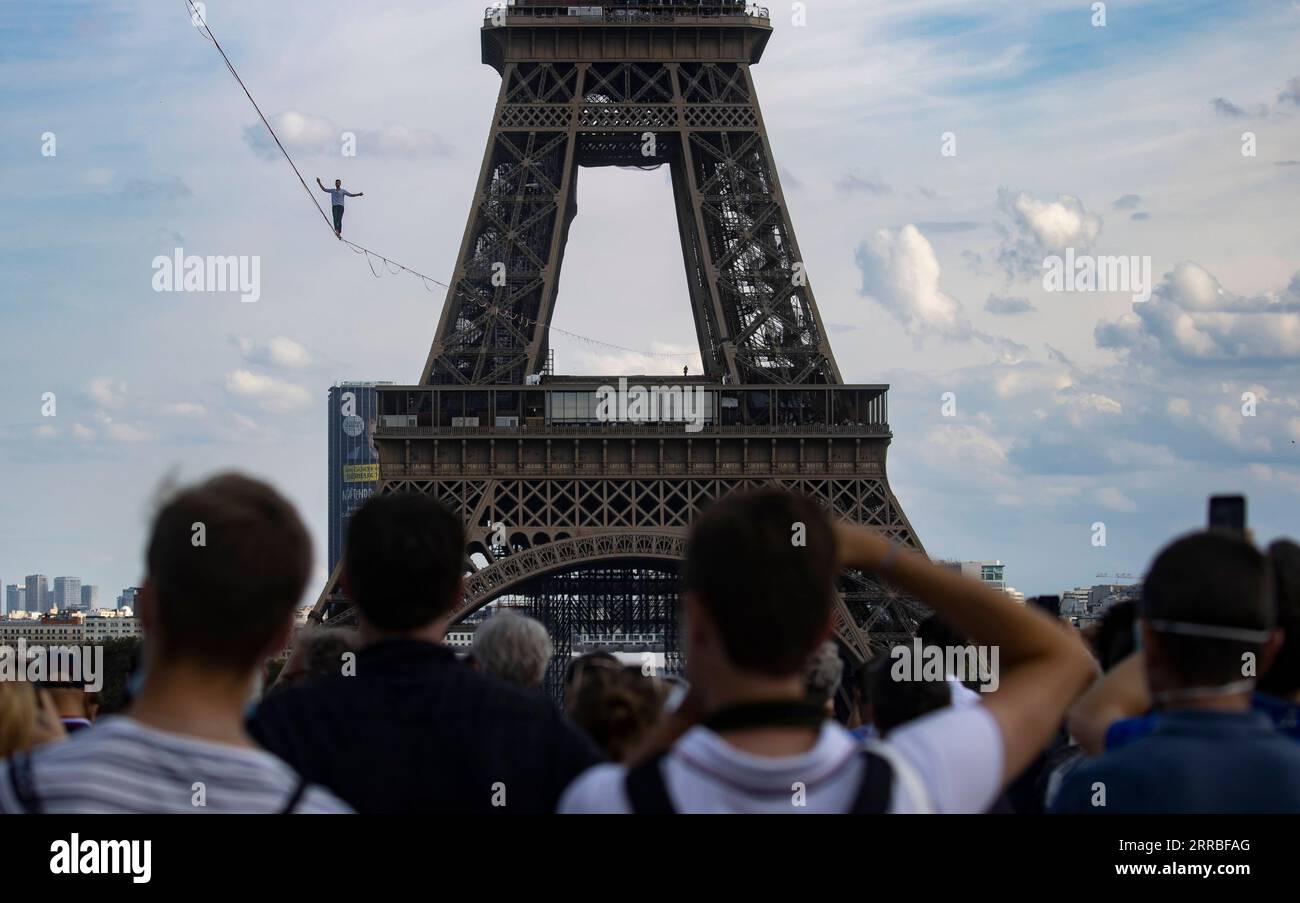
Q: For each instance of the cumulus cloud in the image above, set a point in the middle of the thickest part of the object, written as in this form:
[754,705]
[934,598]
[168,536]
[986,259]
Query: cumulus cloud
[1001,304]
[108,392]
[185,409]
[1039,228]
[271,394]
[1192,319]
[1113,499]
[121,432]
[901,273]
[305,134]
[277,351]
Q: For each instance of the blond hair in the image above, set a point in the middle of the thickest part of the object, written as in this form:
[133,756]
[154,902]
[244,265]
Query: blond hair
[17,716]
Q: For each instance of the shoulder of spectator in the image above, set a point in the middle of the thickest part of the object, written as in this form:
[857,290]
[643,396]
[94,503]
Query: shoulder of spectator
[597,790]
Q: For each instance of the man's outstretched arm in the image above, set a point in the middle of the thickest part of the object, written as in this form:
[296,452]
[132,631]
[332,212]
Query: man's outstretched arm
[1044,667]
[1120,693]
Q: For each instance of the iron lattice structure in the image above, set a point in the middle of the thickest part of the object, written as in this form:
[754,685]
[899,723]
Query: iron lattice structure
[586,520]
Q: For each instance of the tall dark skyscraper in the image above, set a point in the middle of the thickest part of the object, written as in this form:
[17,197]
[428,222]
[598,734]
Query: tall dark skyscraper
[353,460]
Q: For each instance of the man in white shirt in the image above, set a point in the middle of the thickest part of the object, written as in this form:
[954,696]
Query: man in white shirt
[756,603]
[227,562]
[337,194]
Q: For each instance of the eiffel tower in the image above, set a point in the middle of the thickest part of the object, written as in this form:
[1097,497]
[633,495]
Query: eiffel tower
[583,518]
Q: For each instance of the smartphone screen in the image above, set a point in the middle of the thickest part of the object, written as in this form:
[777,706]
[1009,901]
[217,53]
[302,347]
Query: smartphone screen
[1228,512]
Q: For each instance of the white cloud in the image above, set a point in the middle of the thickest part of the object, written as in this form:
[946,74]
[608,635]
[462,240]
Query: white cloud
[271,394]
[185,409]
[277,351]
[47,431]
[303,133]
[901,273]
[1111,498]
[1041,228]
[1192,319]
[82,433]
[106,391]
[121,432]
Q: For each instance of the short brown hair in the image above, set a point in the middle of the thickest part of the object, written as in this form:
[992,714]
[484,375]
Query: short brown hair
[221,601]
[763,566]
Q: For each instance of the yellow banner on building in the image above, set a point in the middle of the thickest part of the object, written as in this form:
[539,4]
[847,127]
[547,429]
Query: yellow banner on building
[360,473]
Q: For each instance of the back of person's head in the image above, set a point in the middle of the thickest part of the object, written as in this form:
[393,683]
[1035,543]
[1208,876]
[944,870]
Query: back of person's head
[761,565]
[513,647]
[616,707]
[935,631]
[578,668]
[823,673]
[1283,676]
[1203,584]
[228,560]
[896,702]
[1114,640]
[317,652]
[17,716]
[403,560]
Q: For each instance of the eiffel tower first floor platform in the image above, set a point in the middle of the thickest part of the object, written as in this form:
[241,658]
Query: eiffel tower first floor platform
[581,513]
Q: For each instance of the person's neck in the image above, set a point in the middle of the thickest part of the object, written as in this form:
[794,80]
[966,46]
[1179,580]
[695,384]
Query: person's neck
[194,701]
[369,634]
[730,689]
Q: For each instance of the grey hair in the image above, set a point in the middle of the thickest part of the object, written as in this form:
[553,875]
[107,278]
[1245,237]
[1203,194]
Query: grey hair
[824,671]
[513,647]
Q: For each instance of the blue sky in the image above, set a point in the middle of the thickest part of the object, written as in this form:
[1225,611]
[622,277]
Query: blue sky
[1082,407]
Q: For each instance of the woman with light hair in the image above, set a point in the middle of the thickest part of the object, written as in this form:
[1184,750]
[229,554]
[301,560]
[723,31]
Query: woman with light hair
[28,718]
[514,648]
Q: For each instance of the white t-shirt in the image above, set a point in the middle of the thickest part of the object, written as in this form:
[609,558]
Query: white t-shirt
[948,761]
[120,766]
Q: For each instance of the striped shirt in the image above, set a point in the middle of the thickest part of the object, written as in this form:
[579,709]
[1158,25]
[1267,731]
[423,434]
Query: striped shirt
[120,766]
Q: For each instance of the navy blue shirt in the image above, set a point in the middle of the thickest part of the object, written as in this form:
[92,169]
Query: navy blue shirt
[416,731]
[1192,762]
[1284,714]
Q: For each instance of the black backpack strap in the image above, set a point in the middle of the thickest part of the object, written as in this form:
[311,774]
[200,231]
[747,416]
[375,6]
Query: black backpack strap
[646,791]
[295,798]
[20,779]
[876,789]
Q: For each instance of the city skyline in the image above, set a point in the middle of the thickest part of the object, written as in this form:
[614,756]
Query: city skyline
[1068,409]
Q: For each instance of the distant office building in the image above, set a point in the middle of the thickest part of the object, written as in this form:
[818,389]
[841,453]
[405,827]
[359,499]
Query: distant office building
[990,573]
[1015,594]
[353,459]
[15,598]
[67,592]
[118,627]
[89,596]
[38,593]
[1074,602]
[127,598]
